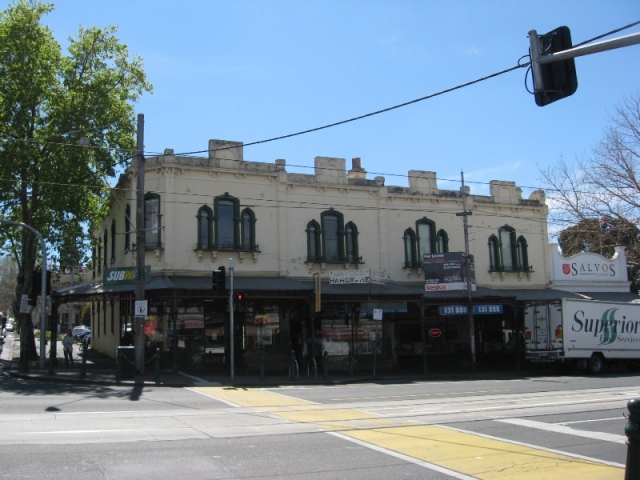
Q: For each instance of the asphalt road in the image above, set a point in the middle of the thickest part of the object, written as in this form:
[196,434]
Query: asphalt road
[531,428]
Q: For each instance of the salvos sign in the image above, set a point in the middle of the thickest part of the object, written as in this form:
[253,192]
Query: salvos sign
[589,272]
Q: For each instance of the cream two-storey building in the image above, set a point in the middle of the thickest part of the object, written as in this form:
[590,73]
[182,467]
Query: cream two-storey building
[327,261]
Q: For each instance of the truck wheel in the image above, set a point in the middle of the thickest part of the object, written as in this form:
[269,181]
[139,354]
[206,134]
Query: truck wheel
[596,363]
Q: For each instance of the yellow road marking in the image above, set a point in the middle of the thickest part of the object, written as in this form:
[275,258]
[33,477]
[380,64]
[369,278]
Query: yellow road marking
[470,454]
[482,457]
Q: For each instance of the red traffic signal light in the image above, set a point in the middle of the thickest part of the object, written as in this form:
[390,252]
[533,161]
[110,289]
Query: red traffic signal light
[239,297]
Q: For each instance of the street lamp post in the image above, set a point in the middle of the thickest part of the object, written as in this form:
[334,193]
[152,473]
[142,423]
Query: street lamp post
[43,291]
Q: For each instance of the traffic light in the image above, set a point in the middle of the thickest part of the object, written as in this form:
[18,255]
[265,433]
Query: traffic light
[555,80]
[219,279]
[36,285]
[239,297]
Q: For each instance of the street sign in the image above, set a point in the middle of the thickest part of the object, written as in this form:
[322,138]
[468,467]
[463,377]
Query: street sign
[24,304]
[141,308]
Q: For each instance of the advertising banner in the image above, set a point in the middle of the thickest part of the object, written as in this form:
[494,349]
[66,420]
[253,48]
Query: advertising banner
[447,271]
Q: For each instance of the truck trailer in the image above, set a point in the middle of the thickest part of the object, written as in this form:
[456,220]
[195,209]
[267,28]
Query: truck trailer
[587,333]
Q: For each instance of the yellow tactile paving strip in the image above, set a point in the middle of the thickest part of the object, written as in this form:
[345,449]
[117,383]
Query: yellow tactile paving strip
[470,454]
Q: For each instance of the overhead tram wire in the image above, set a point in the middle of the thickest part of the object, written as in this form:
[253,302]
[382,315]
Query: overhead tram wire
[410,102]
[366,115]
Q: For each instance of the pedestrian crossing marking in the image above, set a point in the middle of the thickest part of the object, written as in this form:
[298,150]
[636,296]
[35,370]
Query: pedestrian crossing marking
[467,453]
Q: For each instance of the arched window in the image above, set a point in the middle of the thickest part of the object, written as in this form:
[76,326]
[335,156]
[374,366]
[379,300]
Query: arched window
[247,227]
[523,255]
[351,242]
[127,228]
[113,240]
[226,218]
[330,241]
[494,254]
[426,236]
[313,241]
[205,227]
[332,236]
[508,249]
[442,241]
[106,247]
[152,222]
[410,257]
[506,253]
[227,228]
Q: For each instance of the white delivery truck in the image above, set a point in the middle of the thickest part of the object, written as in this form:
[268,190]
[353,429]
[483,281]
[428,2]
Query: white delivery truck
[588,333]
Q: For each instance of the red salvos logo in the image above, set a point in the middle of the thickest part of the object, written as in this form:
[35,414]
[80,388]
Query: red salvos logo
[566,268]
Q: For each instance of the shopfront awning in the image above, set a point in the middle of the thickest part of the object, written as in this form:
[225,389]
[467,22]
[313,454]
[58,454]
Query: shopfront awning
[179,284]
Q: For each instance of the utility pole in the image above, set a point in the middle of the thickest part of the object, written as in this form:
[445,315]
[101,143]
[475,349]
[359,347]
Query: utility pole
[140,244]
[467,262]
[231,327]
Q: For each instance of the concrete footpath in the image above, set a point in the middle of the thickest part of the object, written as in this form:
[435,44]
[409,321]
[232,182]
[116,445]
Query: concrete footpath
[101,370]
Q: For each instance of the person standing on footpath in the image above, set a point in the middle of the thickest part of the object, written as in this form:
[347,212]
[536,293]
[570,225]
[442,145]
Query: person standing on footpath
[67,347]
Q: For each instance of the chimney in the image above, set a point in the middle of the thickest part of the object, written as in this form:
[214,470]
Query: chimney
[356,172]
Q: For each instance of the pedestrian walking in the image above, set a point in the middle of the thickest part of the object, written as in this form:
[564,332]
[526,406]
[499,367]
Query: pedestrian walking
[67,347]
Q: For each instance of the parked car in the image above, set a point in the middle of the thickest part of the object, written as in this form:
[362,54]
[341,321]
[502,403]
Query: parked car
[9,327]
[81,333]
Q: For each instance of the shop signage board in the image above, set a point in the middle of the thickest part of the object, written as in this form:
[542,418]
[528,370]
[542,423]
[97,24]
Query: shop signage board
[342,277]
[477,309]
[124,275]
[447,271]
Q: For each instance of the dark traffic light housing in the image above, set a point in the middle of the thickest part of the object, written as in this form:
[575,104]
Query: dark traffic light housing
[556,80]
[219,278]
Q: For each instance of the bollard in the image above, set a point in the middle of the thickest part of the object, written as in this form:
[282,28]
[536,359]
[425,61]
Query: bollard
[632,431]
[262,364]
[157,367]
[293,366]
[118,367]
[350,364]
[325,365]
[83,356]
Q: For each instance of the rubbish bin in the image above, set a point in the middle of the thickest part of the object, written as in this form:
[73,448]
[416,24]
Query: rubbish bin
[127,358]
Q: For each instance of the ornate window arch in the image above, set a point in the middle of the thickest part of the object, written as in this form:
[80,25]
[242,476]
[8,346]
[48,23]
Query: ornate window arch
[205,227]
[127,228]
[410,249]
[248,229]
[314,253]
[113,240]
[152,222]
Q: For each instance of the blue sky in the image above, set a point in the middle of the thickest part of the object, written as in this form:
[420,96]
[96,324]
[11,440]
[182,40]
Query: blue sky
[250,70]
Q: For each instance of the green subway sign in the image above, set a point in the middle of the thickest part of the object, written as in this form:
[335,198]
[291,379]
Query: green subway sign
[124,275]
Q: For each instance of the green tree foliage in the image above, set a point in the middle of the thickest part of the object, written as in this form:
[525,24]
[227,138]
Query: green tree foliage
[605,185]
[66,122]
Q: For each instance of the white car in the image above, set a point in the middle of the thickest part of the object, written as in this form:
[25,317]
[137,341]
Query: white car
[81,333]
